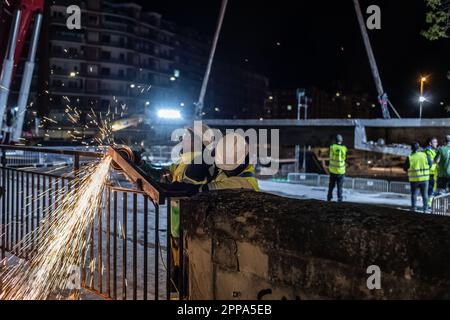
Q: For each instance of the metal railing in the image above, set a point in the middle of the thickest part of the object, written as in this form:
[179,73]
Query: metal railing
[127,241]
[324,181]
[303,178]
[400,187]
[441,205]
[371,185]
[375,185]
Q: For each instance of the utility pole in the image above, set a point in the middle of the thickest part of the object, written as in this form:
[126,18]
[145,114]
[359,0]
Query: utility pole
[422,97]
[301,94]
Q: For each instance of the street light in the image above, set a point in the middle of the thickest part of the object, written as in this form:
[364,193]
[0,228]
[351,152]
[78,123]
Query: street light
[422,98]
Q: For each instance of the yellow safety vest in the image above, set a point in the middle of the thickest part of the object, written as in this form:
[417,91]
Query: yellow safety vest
[177,172]
[338,155]
[245,180]
[419,169]
[432,154]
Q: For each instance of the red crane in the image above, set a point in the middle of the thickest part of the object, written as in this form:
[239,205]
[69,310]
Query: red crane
[16,18]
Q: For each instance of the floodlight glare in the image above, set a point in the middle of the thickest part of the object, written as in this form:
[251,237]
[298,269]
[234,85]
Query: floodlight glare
[171,114]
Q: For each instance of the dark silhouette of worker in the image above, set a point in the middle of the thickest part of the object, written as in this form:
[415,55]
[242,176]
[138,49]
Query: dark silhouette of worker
[337,168]
[431,151]
[8,127]
[443,162]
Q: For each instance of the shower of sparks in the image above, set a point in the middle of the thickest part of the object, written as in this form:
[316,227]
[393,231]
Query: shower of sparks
[60,243]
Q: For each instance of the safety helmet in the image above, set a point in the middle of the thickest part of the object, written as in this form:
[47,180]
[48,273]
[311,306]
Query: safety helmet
[339,138]
[231,152]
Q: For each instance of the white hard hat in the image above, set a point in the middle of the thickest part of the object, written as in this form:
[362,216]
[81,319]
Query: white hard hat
[231,152]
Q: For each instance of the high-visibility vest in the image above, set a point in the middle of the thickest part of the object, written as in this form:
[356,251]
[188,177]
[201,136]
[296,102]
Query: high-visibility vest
[419,168]
[177,172]
[245,180]
[432,154]
[338,156]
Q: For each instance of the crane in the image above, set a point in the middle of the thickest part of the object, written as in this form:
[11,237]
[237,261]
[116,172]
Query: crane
[24,13]
[382,96]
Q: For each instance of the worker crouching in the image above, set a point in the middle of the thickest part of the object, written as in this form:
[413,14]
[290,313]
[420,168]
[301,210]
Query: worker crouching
[191,175]
[418,166]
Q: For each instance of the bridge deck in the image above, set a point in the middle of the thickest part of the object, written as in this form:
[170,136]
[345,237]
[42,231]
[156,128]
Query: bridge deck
[375,123]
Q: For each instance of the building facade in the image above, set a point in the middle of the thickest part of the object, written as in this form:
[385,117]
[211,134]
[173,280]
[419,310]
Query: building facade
[282,104]
[130,61]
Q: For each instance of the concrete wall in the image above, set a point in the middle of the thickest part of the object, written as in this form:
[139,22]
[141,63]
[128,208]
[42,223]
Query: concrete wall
[246,245]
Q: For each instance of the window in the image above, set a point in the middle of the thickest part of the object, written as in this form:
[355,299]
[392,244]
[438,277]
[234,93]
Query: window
[92,69]
[73,85]
[106,72]
[105,55]
[73,51]
[93,20]
[106,38]
[57,83]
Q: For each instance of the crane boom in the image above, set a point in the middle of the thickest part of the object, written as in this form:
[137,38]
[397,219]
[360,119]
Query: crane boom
[382,96]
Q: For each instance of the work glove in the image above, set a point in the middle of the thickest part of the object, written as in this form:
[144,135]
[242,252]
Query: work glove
[181,187]
[138,158]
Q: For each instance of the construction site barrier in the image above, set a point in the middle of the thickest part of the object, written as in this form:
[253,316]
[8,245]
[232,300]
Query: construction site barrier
[324,181]
[371,185]
[127,256]
[375,185]
[304,178]
[400,187]
[441,205]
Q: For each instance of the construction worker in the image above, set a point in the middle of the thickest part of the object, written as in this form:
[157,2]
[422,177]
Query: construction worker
[443,163]
[431,151]
[418,166]
[231,169]
[8,126]
[337,168]
[174,175]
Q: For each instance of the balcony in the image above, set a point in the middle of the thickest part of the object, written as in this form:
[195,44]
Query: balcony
[70,37]
[166,56]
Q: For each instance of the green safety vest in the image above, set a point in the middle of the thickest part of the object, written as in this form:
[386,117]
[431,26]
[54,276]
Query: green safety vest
[444,162]
[419,169]
[432,154]
[338,155]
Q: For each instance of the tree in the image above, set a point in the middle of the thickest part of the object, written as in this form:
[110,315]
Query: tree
[438,19]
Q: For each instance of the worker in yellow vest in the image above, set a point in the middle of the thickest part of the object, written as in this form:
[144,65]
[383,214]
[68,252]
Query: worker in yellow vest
[418,166]
[231,169]
[176,174]
[337,168]
[431,151]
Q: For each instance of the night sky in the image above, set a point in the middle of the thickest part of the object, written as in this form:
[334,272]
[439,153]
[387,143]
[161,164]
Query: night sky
[321,45]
